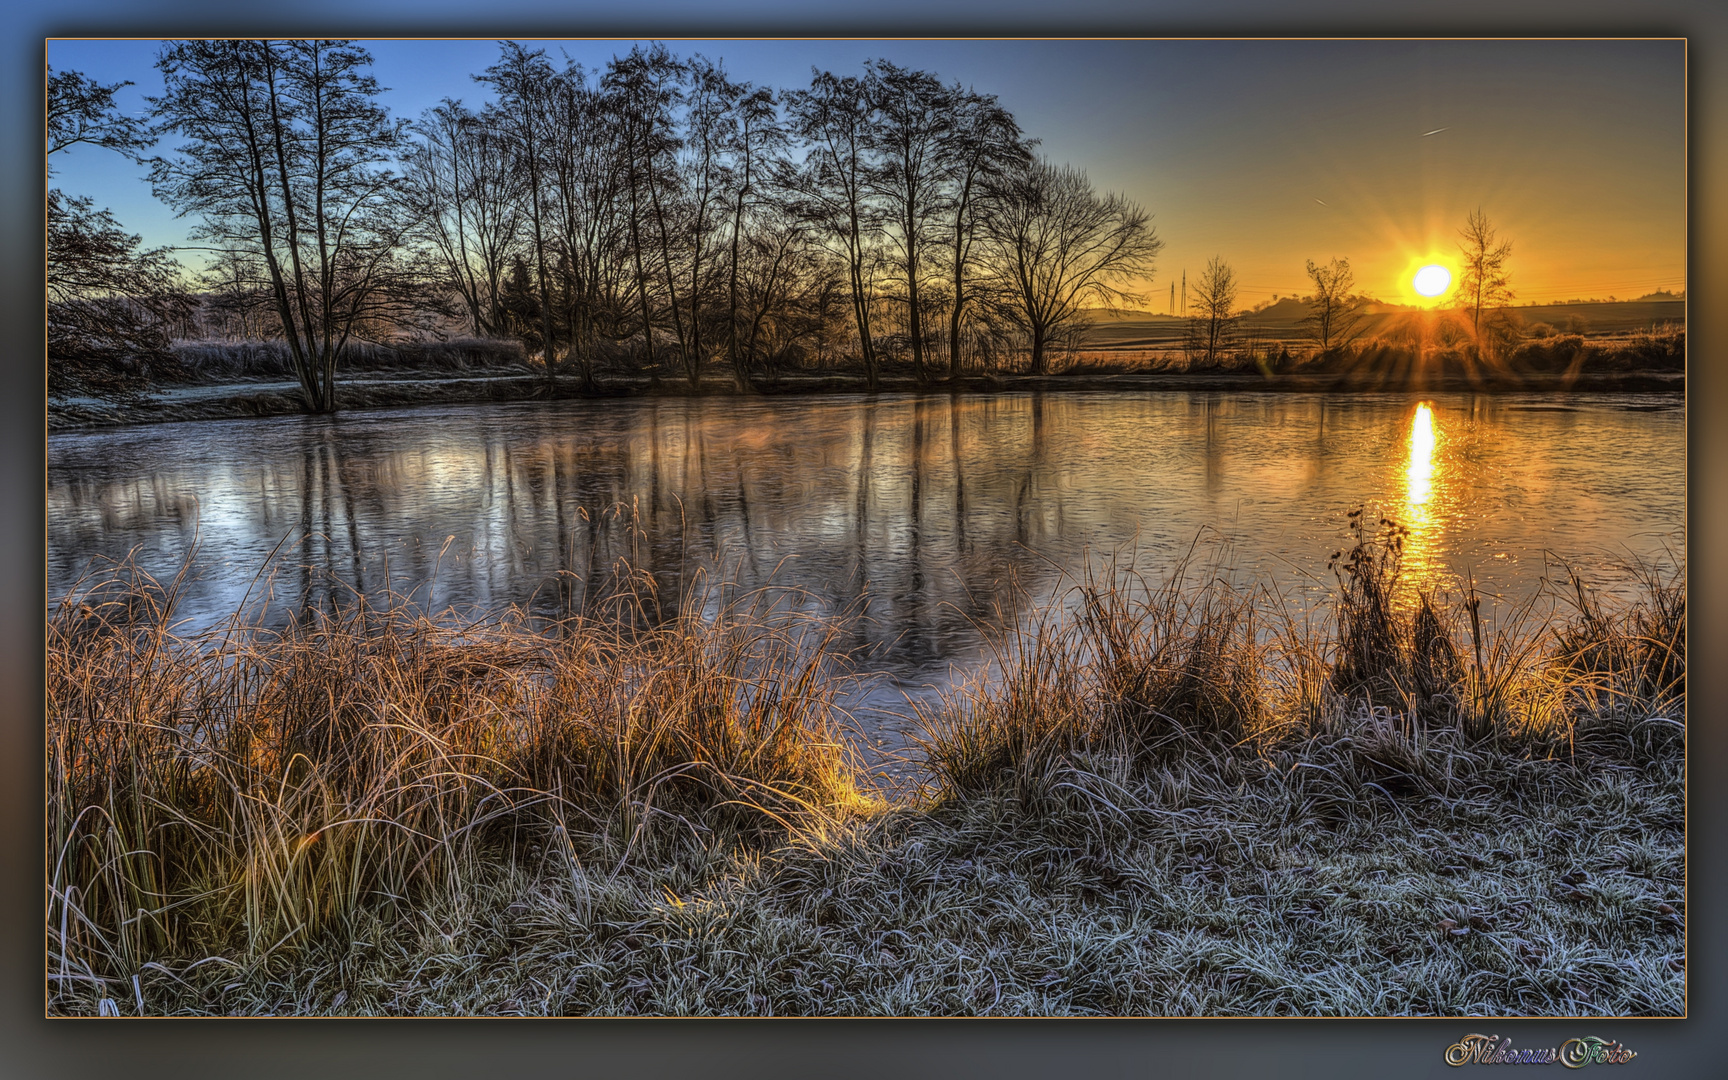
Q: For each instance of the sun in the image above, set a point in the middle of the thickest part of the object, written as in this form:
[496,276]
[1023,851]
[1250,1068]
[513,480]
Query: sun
[1428,279]
[1432,280]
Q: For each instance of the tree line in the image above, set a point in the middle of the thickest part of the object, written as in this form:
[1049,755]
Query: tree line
[656,216]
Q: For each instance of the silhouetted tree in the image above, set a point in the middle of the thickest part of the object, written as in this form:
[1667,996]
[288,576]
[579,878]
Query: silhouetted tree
[657,196]
[710,120]
[82,110]
[236,296]
[983,141]
[1212,300]
[832,117]
[1056,244]
[519,307]
[752,144]
[522,80]
[1484,284]
[285,142]
[467,199]
[1334,313]
[912,118]
[643,89]
[586,175]
[111,303]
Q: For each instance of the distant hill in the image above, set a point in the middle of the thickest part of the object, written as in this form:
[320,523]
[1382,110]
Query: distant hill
[1282,320]
[1286,312]
[1608,316]
[1118,314]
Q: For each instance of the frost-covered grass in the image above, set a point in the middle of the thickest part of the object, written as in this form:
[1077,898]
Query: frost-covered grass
[1177,800]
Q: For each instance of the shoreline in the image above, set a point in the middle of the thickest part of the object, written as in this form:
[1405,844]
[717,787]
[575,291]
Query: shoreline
[282,398]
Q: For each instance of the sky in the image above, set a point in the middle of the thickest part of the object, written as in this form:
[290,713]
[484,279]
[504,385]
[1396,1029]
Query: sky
[1266,154]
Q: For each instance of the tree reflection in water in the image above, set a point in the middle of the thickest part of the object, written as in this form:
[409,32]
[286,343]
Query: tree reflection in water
[929,517]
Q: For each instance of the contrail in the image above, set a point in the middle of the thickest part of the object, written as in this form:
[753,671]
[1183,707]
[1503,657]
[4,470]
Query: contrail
[1436,131]
[1322,202]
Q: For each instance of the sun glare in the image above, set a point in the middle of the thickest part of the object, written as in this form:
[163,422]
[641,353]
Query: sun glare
[1432,280]
[1428,279]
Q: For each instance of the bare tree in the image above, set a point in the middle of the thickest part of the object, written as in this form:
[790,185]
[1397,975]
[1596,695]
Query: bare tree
[1056,244]
[983,142]
[82,111]
[710,123]
[642,89]
[586,176]
[752,144]
[236,296]
[1213,319]
[912,119]
[832,116]
[1484,284]
[283,153]
[523,80]
[110,301]
[1334,312]
[111,304]
[467,196]
[786,286]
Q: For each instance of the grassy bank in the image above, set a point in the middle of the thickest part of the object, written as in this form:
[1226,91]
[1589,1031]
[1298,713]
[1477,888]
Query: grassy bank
[234,380]
[233,402]
[1173,797]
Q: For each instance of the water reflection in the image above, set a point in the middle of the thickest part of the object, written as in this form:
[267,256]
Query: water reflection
[1421,468]
[918,513]
[1420,546]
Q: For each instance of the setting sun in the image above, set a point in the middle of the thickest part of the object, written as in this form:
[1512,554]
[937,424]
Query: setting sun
[1432,280]
[1428,278]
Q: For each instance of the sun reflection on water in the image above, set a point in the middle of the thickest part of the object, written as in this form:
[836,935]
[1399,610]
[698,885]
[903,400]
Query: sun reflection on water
[1421,470]
[1419,516]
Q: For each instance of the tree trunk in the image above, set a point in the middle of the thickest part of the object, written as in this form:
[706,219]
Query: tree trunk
[914,315]
[861,308]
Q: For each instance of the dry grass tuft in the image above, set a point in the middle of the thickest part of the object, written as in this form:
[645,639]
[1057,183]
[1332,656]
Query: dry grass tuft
[247,791]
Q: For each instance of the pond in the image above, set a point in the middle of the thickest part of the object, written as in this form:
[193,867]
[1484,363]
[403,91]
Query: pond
[927,519]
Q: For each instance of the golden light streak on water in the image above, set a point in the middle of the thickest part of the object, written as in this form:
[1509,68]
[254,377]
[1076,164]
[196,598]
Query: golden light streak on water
[1419,518]
[1421,470]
